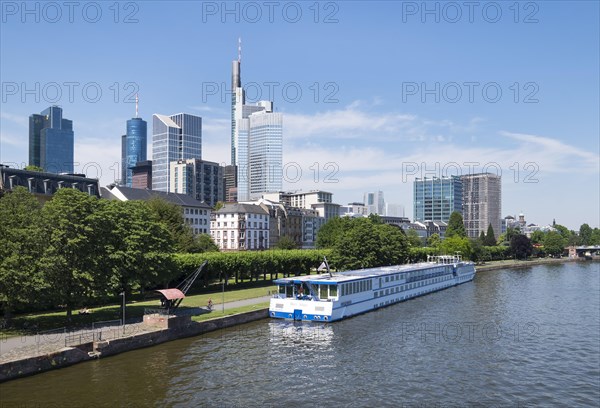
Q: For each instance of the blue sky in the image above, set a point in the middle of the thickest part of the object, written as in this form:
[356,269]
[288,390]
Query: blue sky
[405,89]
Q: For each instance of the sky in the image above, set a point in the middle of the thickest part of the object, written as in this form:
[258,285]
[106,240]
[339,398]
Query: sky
[373,93]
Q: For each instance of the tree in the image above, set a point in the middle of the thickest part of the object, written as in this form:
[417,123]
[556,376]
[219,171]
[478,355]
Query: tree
[286,242]
[363,243]
[205,243]
[520,246]
[482,237]
[456,226]
[595,237]
[31,167]
[414,239]
[330,232]
[537,237]
[554,243]
[478,251]
[490,239]
[434,241]
[172,217]
[585,234]
[457,245]
[21,243]
[69,260]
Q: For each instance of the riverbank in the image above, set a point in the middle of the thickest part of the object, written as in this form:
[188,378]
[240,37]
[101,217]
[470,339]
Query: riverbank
[497,265]
[58,353]
[96,345]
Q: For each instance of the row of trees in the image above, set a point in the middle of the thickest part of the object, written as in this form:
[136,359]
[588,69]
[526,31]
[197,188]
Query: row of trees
[363,243]
[77,249]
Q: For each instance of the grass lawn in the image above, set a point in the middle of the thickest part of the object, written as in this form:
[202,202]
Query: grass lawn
[216,312]
[38,322]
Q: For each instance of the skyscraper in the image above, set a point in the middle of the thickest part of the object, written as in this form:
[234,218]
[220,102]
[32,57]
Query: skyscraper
[134,148]
[175,137]
[51,141]
[375,203]
[200,179]
[436,198]
[256,141]
[482,194]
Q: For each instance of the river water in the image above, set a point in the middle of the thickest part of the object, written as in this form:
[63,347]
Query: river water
[511,338]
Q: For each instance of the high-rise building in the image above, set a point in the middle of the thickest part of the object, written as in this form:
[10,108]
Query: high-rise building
[320,201]
[256,141]
[436,198]
[175,137]
[230,183]
[133,148]
[200,179]
[51,141]
[482,195]
[141,175]
[375,203]
[394,210]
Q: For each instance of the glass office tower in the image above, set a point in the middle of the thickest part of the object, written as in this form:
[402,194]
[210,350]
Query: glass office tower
[51,141]
[436,198]
[134,148]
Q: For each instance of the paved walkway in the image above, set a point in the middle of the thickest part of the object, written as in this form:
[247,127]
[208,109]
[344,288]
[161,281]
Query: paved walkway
[12,348]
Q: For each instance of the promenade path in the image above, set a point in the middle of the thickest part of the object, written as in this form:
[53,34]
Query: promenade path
[17,347]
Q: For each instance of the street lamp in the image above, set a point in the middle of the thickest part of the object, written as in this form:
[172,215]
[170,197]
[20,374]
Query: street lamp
[223,291]
[123,294]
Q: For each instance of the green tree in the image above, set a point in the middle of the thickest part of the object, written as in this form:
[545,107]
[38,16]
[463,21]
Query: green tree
[286,242]
[537,237]
[31,167]
[482,237]
[554,243]
[585,234]
[595,237]
[330,232]
[171,215]
[479,252]
[456,226]
[414,239]
[205,243]
[457,245]
[490,238]
[520,246]
[434,241]
[21,243]
[69,259]
[366,244]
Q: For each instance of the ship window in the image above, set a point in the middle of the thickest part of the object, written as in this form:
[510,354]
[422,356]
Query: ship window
[323,291]
[281,289]
[387,279]
[376,294]
[333,291]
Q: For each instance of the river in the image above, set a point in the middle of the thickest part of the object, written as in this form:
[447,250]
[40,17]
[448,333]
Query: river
[511,338]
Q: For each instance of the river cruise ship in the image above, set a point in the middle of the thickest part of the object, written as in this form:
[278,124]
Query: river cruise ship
[335,296]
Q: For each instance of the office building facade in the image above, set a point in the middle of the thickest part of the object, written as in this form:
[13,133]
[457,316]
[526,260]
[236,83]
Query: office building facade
[133,148]
[51,141]
[375,203]
[482,203]
[436,198]
[174,138]
[200,179]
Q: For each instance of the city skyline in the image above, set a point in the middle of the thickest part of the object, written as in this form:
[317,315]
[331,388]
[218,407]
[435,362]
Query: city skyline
[379,102]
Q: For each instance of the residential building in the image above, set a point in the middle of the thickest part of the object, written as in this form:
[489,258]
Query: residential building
[133,148]
[237,226]
[353,210]
[200,179]
[196,214]
[436,198]
[482,193]
[375,203]
[51,141]
[175,137]
[141,175]
[318,200]
[44,184]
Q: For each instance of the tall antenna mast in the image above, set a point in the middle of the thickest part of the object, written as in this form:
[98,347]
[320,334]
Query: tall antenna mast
[137,100]
[240,49]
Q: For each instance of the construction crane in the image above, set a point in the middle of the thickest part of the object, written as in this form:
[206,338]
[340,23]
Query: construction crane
[171,298]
